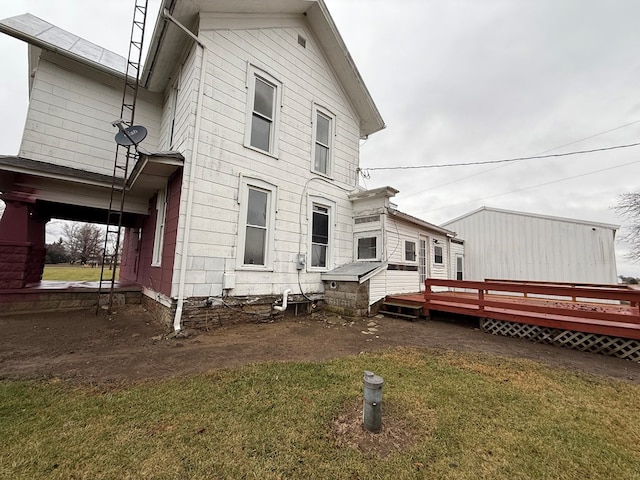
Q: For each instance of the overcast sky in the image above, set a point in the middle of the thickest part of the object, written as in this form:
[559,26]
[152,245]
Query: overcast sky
[455,81]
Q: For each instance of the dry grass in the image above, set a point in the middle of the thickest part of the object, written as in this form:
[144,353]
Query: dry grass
[447,416]
[76,273]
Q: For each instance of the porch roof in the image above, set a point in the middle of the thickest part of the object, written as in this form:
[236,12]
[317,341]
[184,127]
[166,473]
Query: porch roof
[354,272]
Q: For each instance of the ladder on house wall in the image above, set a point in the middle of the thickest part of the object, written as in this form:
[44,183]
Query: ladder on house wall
[125,157]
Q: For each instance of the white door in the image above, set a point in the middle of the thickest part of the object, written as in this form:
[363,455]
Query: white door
[422,261]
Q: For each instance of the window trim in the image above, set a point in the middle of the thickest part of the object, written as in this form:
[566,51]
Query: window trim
[159,229]
[243,200]
[318,110]
[253,74]
[414,259]
[360,235]
[331,207]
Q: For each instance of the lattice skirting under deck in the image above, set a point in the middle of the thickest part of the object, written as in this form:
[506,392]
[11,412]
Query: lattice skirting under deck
[586,342]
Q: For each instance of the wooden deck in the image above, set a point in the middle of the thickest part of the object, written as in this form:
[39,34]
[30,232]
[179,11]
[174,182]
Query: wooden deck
[608,310]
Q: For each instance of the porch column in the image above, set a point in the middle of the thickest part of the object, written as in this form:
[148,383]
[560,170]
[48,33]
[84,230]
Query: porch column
[22,237]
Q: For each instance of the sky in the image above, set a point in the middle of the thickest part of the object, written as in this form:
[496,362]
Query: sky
[456,81]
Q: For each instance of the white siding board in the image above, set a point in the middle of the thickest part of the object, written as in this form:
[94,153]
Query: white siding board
[523,247]
[306,79]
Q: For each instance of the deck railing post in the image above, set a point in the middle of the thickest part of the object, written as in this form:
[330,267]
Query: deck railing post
[427,297]
[481,300]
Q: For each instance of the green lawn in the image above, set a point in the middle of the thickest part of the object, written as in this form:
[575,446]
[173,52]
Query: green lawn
[67,272]
[465,417]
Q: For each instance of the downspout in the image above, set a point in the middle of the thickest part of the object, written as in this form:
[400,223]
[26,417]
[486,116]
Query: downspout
[192,173]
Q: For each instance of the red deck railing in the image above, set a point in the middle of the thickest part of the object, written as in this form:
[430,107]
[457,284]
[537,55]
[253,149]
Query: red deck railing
[602,309]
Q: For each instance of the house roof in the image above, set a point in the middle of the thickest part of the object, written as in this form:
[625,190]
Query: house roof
[41,34]
[354,272]
[534,215]
[421,223]
[168,43]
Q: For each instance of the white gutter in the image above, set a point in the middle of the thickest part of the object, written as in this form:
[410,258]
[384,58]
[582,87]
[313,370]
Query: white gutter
[192,174]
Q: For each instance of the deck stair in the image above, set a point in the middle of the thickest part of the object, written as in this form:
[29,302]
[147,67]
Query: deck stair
[394,308]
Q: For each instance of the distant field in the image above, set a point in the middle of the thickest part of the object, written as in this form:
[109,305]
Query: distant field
[66,272]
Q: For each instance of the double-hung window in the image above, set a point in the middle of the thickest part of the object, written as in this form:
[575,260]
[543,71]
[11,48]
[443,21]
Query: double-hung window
[409,251]
[320,236]
[257,216]
[437,255]
[321,232]
[323,134]
[262,111]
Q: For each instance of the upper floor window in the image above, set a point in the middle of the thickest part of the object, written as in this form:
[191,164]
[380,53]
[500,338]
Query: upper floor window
[262,111]
[323,134]
[409,251]
[257,219]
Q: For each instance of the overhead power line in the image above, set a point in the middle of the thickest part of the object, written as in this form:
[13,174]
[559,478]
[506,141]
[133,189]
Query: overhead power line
[531,186]
[505,160]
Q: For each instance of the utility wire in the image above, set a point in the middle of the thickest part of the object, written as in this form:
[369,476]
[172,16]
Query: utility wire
[484,172]
[505,160]
[532,186]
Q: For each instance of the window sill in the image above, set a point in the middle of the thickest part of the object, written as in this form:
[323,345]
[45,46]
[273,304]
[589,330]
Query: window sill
[273,155]
[156,265]
[254,268]
[323,175]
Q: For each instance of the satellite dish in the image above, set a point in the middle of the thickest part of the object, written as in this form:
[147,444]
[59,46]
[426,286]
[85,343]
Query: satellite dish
[131,135]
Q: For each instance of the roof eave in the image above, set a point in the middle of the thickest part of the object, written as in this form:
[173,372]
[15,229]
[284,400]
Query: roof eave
[31,40]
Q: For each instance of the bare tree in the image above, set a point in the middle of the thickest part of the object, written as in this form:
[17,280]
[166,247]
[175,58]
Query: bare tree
[629,207]
[84,241]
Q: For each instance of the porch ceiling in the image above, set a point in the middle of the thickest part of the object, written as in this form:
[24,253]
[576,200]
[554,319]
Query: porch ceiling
[56,184]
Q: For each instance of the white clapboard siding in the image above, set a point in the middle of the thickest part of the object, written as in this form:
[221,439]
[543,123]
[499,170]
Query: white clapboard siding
[223,160]
[378,287]
[521,246]
[70,113]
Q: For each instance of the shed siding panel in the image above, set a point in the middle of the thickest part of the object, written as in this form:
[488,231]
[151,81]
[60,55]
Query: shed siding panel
[523,247]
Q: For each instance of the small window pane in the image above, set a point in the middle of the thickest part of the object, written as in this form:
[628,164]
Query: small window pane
[263,100]
[459,275]
[322,154]
[254,246]
[320,233]
[437,254]
[410,251]
[322,129]
[257,208]
[318,255]
[260,133]
[367,248]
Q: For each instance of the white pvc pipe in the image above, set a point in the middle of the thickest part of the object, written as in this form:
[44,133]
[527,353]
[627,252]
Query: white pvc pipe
[192,177]
[283,307]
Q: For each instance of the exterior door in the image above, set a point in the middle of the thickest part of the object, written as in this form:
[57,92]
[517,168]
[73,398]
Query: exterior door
[422,261]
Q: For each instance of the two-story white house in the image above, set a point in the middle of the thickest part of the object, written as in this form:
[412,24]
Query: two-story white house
[242,188]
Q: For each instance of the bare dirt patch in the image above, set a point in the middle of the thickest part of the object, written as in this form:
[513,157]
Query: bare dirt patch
[132,347]
[349,431]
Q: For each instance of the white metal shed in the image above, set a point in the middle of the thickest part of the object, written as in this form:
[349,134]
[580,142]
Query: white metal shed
[504,244]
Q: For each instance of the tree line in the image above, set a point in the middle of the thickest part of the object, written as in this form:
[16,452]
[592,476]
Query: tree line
[79,243]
